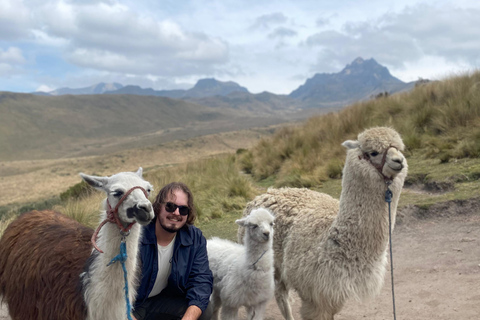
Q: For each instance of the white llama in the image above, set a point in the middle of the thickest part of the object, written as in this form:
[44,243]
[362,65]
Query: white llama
[243,275]
[330,251]
[47,252]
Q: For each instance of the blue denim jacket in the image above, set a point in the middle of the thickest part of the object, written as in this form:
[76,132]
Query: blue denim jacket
[190,277]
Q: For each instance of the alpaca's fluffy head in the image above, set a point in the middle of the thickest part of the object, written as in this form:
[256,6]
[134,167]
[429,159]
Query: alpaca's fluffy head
[135,207]
[382,147]
[258,225]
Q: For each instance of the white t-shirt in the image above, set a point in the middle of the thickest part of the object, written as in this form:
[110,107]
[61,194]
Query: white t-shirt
[165,255]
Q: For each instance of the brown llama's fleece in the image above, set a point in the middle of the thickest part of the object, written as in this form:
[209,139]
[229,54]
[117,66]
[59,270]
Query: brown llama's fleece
[46,246]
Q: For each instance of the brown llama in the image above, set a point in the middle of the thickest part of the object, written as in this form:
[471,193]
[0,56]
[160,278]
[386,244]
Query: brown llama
[49,269]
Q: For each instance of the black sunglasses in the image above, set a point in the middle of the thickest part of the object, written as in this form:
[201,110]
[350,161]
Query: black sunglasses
[171,207]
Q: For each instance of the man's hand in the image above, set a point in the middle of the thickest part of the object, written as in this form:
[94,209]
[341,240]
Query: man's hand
[192,313]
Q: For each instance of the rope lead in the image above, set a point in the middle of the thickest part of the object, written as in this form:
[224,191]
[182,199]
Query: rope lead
[122,257]
[388,199]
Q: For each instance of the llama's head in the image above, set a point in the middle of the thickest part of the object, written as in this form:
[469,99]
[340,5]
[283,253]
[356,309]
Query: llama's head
[258,225]
[380,148]
[127,190]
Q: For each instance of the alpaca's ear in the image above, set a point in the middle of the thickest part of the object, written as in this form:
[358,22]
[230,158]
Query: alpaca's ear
[139,172]
[351,144]
[241,222]
[94,181]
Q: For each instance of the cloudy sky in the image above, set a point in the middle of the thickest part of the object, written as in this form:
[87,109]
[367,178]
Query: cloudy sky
[262,45]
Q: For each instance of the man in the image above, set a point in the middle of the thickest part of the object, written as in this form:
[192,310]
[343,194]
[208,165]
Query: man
[176,281]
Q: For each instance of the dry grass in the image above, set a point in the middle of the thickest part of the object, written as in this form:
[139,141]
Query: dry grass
[85,210]
[27,181]
[440,118]
[5,221]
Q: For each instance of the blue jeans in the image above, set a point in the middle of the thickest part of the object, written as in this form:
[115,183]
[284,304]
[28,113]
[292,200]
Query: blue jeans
[163,307]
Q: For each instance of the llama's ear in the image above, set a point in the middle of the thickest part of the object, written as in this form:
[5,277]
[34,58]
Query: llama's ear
[94,181]
[351,144]
[241,222]
[139,172]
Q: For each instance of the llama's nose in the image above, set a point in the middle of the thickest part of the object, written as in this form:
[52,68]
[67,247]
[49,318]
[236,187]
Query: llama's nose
[266,234]
[141,213]
[399,161]
[145,207]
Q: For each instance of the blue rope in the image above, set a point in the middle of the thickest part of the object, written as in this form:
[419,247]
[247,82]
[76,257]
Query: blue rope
[122,257]
[388,198]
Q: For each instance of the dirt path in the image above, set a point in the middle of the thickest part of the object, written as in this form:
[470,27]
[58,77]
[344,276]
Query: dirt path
[437,273]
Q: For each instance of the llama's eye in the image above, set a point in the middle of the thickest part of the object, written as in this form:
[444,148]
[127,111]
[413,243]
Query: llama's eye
[271,224]
[118,193]
[374,153]
[253,226]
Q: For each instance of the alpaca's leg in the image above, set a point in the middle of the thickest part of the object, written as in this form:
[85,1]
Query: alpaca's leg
[216,303]
[281,295]
[257,312]
[320,310]
[229,313]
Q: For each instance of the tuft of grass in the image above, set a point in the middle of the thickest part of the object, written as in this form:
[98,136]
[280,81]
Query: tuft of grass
[78,190]
[334,168]
[5,221]
[85,209]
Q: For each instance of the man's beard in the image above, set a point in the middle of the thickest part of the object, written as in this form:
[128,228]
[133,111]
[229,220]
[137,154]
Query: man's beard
[168,229]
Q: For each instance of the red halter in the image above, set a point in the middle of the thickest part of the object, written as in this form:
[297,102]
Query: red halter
[112,216]
[380,167]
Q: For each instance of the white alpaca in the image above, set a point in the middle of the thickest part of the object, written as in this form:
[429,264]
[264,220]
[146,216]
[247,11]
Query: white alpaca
[243,275]
[47,252]
[330,251]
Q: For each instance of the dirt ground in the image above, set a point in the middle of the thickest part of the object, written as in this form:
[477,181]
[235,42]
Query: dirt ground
[436,269]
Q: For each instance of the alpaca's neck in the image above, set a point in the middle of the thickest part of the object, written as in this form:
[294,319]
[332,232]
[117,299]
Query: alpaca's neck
[104,290]
[361,227]
[257,254]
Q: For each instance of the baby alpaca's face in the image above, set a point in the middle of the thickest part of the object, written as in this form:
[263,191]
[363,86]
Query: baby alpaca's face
[261,231]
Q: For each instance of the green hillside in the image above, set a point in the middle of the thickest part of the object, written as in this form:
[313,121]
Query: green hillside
[438,120]
[38,127]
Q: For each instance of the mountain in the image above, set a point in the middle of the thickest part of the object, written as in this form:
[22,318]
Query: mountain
[211,87]
[203,88]
[359,80]
[98,88]
[136,90]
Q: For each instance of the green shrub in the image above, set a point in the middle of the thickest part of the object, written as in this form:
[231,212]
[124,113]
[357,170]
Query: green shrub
[334,169]
[79,190]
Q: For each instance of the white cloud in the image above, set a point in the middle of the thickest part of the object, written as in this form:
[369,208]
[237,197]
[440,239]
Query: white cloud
[12,56]
[112,37]
[267,21]
[398,40]
[14,20]
[263,45]
[282,32]
[5,70]
[44,88]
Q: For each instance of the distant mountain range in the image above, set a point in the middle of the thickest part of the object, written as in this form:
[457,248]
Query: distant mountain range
[108,116]
[358,81]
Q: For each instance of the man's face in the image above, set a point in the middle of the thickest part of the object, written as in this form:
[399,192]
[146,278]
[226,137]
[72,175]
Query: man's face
[173,221]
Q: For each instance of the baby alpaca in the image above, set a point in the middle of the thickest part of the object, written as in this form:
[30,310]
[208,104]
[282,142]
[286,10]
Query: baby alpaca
[243,274]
